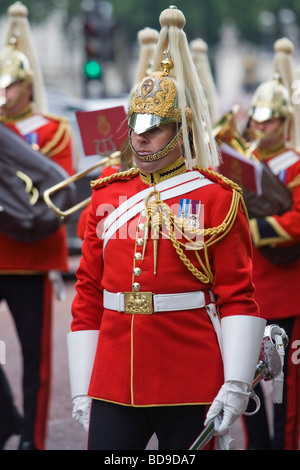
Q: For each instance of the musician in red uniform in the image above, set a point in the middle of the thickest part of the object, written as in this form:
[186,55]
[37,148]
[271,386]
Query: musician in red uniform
[276,260]
[24,266]
[165,271]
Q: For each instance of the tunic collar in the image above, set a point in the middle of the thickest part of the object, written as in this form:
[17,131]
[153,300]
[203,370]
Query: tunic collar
[17,117]
[269,153]
[175,168]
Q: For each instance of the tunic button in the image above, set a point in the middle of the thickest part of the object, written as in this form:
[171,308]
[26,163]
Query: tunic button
[137,271]
[138,256]
[141,227]
[140,242]
[136,287]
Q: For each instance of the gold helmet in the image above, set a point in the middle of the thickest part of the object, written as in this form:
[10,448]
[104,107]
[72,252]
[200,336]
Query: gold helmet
[271,99]
[155,101]
[14,65]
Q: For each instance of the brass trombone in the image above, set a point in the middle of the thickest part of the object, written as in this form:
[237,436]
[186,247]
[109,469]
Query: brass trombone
[226,132]
[112,159]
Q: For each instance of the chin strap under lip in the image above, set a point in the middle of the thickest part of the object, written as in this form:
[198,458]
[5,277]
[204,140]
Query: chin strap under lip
[161,153]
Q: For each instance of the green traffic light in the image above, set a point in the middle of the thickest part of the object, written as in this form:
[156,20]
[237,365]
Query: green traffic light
[92,69]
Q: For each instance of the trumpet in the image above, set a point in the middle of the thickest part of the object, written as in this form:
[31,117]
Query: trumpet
[112,159]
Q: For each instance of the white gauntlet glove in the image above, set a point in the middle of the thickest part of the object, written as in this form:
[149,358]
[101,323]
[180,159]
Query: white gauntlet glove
[230,403]
[81,410]
[241,340]
[82,346]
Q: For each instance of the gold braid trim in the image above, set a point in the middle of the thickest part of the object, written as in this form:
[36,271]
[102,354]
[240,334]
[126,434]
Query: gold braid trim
[197,239]
[295,182]
[223,178]
[62,131]
[228,182]
[114,176]
[158,212]
[25,113]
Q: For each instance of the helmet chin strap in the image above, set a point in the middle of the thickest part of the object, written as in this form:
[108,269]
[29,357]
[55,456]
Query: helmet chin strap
[161,153]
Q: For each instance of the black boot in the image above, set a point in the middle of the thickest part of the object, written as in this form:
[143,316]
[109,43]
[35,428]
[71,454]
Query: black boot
[14,427]
[10,419]
[27,445]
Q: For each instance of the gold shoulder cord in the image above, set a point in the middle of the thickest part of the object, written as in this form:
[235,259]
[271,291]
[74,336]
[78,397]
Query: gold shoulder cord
[295,182]
[159,213]
[197,239]
[108,179]
[63,131]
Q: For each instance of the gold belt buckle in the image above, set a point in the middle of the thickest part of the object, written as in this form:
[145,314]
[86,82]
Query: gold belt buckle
[138,303]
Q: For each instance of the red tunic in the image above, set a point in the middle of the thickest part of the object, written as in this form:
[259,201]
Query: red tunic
[167,358]
[52,136]
[277,287]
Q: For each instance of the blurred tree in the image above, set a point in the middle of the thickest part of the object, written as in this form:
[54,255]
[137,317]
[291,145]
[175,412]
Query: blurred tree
[38,9]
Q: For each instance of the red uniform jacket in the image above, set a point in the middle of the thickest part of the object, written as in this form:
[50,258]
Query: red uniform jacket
[166,358]
[51,135]
[277,287]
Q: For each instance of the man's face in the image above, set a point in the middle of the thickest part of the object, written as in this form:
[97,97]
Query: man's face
[16,98]
[272,129]
[152,141]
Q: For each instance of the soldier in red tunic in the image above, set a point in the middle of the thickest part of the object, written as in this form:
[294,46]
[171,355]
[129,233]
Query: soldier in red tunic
[276,253]
[24,265]
[166,272]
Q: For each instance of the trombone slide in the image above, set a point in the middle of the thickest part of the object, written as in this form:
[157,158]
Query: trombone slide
[112,159]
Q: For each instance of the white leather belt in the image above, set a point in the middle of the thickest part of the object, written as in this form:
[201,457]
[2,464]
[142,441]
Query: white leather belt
[146,302]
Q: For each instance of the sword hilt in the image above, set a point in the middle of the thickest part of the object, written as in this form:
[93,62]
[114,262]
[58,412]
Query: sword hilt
[268,368]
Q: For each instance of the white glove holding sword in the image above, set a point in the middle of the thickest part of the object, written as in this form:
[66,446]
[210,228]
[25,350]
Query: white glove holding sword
[241,340]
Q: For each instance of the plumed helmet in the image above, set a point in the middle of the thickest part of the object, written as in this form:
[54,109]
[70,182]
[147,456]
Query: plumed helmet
[14,65]
[155,101]
[271,99]
[172,92]
[18,58]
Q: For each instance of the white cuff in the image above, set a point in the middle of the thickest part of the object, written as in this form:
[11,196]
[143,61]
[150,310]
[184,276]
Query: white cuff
[82,347]
[242,337]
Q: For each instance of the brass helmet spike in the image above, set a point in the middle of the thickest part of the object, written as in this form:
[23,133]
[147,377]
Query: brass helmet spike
[167,63]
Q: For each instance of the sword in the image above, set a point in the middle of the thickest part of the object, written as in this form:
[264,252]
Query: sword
[269,367]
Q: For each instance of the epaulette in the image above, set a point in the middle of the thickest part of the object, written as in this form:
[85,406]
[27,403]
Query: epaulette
[121,176]
[56,117]
[219,179]
[61,137]
[226,183]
